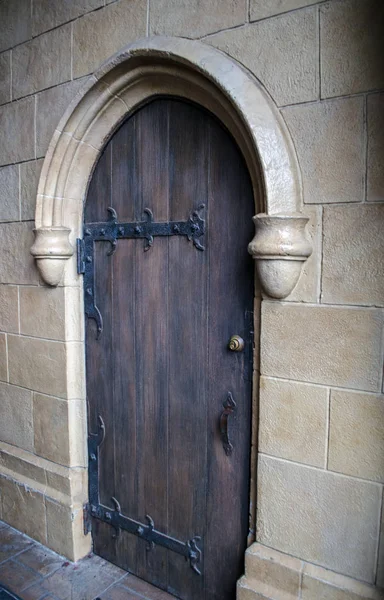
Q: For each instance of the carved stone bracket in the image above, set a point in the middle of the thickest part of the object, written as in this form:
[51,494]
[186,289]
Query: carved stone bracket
[51,249]
[280,248]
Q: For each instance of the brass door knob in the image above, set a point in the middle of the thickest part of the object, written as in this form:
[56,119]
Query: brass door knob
[236,343]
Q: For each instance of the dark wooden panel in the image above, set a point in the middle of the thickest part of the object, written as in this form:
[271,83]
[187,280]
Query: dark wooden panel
[161,369]
[99,356]
[151,335]
[230,304]
[99,192]
[125,199]
[188,174]
[99,363]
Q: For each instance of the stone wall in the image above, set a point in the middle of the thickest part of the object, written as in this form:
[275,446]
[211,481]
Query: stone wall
[321,435]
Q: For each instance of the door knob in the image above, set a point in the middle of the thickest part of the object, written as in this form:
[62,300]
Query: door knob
[236,343]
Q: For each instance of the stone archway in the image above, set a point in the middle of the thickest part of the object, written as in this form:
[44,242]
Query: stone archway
[187,69]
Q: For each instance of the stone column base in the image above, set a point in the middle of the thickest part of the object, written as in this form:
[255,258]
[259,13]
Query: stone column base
[272,575]
[44,500]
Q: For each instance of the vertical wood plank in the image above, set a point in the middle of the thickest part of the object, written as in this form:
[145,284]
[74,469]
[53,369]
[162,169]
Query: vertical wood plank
[99,351]
[99,192]
[187,347]
[152,338]
[229,308]
[125,198]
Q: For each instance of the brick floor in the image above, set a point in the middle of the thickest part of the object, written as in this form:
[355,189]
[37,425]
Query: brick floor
[34,572]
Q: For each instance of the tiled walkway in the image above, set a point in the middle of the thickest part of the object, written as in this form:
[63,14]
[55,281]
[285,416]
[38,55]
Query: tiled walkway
[33,572]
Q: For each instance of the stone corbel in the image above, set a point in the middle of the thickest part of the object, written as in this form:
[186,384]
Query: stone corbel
[51,249]
[280,248]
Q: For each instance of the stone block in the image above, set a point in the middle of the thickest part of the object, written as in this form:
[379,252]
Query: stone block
[17,131]
[65,530]
[281,52]
[15,19]
[5,77]
[29,179]
[24,509]
[9,193]
[75,354]
[329,140]
[16,420]
[47,14]
[356,434]
[58,480]
[321,344]
[50,419]
[78,433]
[43,62]
[50,107]
[375,175]
[3,358]
[273,569]
[321,590]
[335,586]
[319,516]
[20,465]
[245,591]
[353,251]
[260,9]
[380,562]
[42,312]
[308,286]
[92,39]
[59,483]
[293,421]
[16,262]
[74,311]
[351,47]
[79,485]
[38,365]
[9,314]
[195,18]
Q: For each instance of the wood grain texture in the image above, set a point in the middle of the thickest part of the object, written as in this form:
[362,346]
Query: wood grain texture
[161,370]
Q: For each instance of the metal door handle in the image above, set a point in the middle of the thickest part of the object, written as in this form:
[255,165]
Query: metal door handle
[229,407]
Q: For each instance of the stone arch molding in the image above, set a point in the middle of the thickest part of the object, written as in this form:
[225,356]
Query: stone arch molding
[188,69]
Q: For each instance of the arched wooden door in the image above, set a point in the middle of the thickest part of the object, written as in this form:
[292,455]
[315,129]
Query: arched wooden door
[167,282]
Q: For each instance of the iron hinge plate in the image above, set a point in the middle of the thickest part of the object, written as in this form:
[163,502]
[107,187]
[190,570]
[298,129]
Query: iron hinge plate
[87,521]
[80,256]
[112,231]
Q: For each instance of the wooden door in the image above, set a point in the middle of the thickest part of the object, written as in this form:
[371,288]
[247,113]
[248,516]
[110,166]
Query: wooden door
[163,387]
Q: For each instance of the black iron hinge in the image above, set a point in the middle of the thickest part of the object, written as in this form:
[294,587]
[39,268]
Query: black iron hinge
[87,521]
[80,256]
[112,231]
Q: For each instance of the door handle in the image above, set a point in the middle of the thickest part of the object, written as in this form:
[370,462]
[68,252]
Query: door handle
[229,407]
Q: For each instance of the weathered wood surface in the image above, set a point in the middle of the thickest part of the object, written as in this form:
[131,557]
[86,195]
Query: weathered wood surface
[161,370]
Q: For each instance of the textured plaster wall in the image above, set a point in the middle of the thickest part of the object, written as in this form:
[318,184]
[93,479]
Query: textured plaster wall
[321,436]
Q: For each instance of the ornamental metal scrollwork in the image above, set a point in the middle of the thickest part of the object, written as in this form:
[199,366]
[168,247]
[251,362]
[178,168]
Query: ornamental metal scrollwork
[111,231]
[118,521]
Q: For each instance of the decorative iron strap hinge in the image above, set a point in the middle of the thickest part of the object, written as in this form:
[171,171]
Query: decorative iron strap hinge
[114,517]
[111,231]
[80,256]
